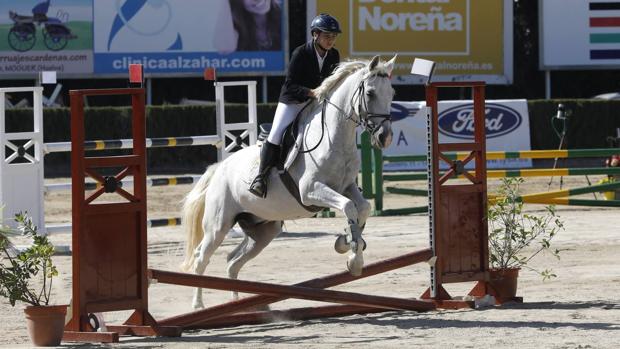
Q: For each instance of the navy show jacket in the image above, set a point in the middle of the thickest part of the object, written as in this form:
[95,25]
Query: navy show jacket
[303,73]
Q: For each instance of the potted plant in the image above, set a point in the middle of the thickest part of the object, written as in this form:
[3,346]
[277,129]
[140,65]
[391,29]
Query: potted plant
[26,276]
[515,237]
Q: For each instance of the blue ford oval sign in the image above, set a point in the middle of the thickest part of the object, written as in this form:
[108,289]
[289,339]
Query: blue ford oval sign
[458,121]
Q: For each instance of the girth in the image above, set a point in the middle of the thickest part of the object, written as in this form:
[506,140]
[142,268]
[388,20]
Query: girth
[292,188]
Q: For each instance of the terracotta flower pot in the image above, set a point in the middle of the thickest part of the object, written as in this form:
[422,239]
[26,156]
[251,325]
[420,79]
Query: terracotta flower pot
[46,324]
[504,281]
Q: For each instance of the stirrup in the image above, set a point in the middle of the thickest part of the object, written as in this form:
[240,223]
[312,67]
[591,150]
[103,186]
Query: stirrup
[259,187]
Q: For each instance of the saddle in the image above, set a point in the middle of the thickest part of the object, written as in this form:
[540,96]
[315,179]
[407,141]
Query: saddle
[289,150]
[289,146]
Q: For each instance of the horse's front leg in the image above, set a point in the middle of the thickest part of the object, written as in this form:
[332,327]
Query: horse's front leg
[354,233]
[363,206]
[322,195]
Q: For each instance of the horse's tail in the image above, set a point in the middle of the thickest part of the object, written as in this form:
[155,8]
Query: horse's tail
[193,211]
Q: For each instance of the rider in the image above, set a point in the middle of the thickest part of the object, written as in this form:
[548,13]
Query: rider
[310,64]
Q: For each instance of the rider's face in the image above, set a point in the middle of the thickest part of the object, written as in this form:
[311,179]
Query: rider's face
[326,40]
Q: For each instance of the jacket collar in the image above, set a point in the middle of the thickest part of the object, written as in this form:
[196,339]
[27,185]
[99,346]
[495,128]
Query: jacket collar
[310,48]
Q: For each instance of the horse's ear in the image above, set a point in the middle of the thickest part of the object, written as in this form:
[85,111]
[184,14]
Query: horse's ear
[389,66]
[373,63]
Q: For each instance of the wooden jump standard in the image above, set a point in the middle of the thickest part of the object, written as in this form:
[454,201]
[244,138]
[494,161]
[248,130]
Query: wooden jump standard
[457,212]
[109,242]
[109,239]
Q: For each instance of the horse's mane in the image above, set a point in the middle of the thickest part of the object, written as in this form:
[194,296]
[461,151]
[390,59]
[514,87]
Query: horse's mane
[344,70]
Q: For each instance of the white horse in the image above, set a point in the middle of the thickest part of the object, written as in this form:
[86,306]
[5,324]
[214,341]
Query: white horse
[324,171]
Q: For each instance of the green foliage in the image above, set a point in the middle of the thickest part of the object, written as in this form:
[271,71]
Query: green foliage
[588,126]
[115,123]
[26,275]
[511,230]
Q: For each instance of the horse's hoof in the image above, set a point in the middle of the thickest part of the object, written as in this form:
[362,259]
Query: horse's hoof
[341,245]
[355,264]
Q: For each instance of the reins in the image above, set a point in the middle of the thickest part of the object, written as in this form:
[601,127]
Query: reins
[359,120]
[322,129]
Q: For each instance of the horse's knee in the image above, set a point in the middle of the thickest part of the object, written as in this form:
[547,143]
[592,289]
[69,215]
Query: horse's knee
[351,211]
[363,209]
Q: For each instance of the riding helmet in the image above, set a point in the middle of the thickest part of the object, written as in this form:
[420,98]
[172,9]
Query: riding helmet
[325,23]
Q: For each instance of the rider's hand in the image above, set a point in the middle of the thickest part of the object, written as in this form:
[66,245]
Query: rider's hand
[311,94]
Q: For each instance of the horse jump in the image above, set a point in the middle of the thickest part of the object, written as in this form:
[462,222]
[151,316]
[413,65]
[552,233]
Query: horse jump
[129,284]
[22,182]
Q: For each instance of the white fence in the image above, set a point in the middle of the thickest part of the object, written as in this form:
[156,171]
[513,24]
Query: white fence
[21,170]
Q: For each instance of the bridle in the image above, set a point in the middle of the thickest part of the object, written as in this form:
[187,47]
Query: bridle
[361,116]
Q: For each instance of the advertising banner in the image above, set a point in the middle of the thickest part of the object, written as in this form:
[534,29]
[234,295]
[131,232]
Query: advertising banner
[579,34]
[47,35]
[78,38]
[468,40]
[187,36]
[507,129]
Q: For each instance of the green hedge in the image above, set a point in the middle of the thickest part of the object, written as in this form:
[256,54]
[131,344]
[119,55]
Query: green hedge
[115,123]
[590,123]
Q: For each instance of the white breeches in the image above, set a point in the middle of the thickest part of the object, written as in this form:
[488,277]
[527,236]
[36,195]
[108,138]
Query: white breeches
[285,114]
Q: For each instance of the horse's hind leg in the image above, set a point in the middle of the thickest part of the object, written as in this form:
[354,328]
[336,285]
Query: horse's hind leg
[257,238]
[215,228]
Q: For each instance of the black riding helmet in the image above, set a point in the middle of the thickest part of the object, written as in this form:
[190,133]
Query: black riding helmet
[325,23]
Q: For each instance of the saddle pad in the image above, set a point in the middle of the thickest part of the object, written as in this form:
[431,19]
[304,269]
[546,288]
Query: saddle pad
[254,165]
[294,151]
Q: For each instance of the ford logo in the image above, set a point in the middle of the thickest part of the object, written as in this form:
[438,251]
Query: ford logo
[458,121]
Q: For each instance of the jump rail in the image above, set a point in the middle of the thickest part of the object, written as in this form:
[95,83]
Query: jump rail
[374,180]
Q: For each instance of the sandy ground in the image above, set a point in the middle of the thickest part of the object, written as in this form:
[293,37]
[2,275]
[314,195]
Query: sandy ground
[578,309]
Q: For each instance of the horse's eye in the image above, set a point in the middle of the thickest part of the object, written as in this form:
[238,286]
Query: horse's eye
[370,94]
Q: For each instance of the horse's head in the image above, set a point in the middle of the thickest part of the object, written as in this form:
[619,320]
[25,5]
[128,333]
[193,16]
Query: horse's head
[363,95]
[375,95]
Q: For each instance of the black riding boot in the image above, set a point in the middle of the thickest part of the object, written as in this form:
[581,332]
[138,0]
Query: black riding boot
[268,156]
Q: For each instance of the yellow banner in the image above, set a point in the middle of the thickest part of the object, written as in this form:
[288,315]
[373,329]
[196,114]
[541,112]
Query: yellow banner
[464,37]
